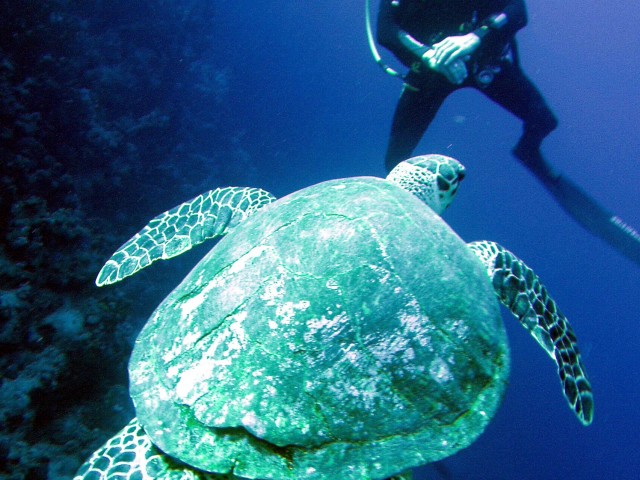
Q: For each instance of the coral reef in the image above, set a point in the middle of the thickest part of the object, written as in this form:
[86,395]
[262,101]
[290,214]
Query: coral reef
[102,106]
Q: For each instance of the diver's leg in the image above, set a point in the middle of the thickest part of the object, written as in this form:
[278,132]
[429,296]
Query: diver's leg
[512,90]
[414,113]
[515,92]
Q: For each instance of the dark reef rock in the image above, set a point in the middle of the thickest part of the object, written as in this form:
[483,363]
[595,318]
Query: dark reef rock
[103,123]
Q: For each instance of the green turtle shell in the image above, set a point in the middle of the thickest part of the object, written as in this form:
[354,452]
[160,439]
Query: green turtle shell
[344,331]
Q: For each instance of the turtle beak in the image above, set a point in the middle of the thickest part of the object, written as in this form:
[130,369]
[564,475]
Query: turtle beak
[461,173]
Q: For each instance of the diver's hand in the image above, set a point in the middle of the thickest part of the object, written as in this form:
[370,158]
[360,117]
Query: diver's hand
[455,48]
[455,72]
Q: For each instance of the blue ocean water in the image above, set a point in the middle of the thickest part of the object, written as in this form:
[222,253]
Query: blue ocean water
[316,100]
[288,95]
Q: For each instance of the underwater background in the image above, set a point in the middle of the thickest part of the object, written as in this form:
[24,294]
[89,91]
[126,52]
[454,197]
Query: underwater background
[114,111]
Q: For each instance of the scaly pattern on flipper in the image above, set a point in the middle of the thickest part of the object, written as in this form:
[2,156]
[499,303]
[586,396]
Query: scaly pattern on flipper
[521,291]
[175,231]
[130,455]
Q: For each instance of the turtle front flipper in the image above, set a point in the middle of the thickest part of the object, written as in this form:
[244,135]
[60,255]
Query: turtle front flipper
[130,455]
[173,232]
[520,290]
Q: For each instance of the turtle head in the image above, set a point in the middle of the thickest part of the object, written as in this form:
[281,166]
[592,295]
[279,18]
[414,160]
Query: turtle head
[434,179]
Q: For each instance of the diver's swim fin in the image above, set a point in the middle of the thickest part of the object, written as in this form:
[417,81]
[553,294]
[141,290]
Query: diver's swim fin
[586,211]
[602,223]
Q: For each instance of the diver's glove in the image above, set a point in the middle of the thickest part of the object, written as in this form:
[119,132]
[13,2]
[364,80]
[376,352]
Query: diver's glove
[455,71]
[455,48]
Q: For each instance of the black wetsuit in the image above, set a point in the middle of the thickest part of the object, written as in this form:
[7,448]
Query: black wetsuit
[409,27]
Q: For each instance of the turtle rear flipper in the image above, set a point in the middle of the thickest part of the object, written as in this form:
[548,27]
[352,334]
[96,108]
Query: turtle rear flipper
[175,231]
[131,455]
[522,292]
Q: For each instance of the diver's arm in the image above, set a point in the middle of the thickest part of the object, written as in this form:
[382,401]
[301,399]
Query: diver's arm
[504,23]
[406,48]
[411,52]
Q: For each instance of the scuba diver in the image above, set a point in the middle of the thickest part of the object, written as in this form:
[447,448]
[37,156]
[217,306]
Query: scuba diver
[452,44]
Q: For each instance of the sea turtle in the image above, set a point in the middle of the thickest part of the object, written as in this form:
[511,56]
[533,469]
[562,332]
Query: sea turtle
[341,332]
